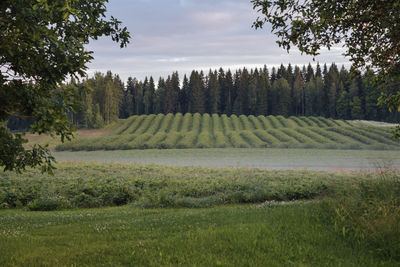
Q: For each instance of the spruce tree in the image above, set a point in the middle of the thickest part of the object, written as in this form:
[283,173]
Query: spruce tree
[214,93]
[343,106]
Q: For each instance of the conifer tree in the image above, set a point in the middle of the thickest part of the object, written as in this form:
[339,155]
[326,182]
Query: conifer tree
[263,86]
[197,93]
[343,105]
[183,95]
[298,93]
[243,91]
[214,92]
[282,91]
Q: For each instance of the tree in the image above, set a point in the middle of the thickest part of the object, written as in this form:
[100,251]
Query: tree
[368,30]
[283,103]
[42,44]
[214,92]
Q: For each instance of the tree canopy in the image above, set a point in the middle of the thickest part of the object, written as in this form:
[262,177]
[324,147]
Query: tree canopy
[368,29]
[42,44]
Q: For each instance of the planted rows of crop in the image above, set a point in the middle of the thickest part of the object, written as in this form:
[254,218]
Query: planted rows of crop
[205,131]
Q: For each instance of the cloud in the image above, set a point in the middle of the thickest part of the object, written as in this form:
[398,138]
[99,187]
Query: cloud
[181,35]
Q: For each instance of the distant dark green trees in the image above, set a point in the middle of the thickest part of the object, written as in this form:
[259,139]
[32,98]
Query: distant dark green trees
[287,91]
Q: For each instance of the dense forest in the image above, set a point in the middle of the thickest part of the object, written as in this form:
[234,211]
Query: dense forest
[323,91]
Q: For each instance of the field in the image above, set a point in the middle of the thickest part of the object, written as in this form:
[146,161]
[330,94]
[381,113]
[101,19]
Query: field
[248,235]
[108,204]
[271,158]
[88,185]
[194,215]
[205,131]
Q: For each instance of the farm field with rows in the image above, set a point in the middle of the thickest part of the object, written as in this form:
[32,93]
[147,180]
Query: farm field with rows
[214,131]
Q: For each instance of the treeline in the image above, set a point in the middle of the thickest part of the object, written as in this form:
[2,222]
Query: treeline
[306,91]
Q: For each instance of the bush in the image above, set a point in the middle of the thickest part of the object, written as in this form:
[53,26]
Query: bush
[237,140]
[256,122]
[188,140]
[187,122]
[221,140]
[368,213]
[252,139]
[204,140]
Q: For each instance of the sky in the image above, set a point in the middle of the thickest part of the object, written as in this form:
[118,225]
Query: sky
[182,35]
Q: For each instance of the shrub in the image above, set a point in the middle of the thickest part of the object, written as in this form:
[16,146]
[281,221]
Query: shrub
[350,133]
[236,125]
[226,123]
[204,140]
[147,122]
[273,121]
[125,125]
[171,140]
[216,122]
[221,140]
[246,123]
[265,123]
[135,124]
[299,122]
[139,142]
[267,138]
[187,122]
[283,121]
[196,123]
[155,125]
[176,123]
[307,121]
[205,123]
[156,139]
[188,140]
[166,122]
[368,214]
[256,122]
[252,139]
[237,140]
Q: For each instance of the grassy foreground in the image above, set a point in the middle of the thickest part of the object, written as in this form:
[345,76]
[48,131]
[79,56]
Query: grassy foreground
[222,236]
[337,219]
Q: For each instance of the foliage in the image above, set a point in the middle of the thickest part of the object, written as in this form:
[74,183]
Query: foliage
[42,44]
[368,29]
[368,213]
[97,185]
[254,92]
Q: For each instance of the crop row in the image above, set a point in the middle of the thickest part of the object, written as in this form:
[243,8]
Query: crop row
[189,122]
[211,132]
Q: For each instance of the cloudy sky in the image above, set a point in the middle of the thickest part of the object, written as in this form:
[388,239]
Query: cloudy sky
[182,35]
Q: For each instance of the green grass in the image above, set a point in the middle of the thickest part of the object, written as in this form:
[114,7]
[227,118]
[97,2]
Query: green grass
[205,131]
[247,235]
[271,158]
[88,185]
[305,218]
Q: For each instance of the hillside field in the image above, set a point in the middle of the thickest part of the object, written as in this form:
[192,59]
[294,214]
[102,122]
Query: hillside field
[205,131]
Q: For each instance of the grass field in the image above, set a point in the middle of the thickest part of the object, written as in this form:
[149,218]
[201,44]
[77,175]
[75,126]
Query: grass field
[246,235]
[205,131]
[278,218]
[88,185]
[271,158]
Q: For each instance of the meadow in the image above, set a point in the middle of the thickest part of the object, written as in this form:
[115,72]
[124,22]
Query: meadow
[99,209]
[271,158]
[195,215]
[214,131]
[246,235]
[90,185]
